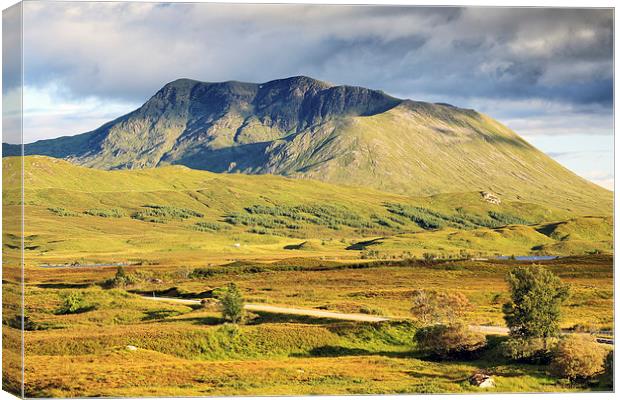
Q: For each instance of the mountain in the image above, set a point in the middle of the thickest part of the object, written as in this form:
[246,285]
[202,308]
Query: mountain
[176,213]
[304,128]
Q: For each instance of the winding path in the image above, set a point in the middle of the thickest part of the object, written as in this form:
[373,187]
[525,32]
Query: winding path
[287,310]
[497,330]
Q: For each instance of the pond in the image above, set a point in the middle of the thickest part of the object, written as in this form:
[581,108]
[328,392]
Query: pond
[528,258]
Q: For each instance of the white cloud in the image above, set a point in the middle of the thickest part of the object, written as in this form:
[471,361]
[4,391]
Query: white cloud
[601,178]
[542,72]
[49,114]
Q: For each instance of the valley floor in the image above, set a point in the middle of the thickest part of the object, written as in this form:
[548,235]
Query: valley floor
[184,349]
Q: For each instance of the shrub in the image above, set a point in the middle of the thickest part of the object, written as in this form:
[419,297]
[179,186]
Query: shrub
[209,226]
[450,341]
[369,254]
[430,306]
[62,212]
[232,304]
[609,363]
[121,279]
[72,303]
[578,357]
[429,257]
[292,217]
[161,214]
[507,219]
[371,310]
[109,213]
[529,350]
[423,217]
[608,376]
[536,298]
[210,304]
[429,219]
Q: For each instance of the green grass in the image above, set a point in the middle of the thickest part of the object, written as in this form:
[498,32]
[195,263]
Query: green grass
[196,216]
[296,249]
[271,354]
[371,140]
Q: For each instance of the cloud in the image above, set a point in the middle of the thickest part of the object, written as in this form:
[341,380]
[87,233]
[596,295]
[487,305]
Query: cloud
[601,178]
[571,154]
[129,50]
[49,114]
[547,73]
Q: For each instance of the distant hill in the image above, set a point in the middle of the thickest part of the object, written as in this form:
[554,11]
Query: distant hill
[177,213]
[304,128]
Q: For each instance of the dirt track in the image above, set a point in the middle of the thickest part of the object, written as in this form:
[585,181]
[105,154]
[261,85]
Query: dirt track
[497,330]
[288,310]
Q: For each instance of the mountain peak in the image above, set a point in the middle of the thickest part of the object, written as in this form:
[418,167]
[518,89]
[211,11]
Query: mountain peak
[306,128]
[293,81]
[181,83]
[298,81]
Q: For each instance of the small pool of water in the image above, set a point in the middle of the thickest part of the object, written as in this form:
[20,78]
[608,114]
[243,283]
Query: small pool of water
[528,258]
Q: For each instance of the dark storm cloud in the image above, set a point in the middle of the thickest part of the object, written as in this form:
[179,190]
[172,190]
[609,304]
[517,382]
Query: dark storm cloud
[127,51]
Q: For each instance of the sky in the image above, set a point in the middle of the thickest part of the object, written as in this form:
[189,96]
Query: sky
[545,73]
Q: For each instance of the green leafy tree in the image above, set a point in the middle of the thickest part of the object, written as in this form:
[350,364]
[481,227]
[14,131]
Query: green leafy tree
[536,299]
[232,304]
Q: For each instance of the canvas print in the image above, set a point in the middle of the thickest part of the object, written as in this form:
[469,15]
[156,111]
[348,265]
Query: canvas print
[241,199]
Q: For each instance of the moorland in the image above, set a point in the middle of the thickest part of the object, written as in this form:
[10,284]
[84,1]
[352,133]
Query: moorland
[305,196]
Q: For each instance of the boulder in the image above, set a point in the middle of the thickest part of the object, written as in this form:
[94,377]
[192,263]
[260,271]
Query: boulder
[482,380]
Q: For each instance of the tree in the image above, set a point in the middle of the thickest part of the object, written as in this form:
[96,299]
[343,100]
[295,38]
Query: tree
[536,299]
[232,304]
[578,357]
[432,307]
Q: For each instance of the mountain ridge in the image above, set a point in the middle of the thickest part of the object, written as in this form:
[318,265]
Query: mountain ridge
[305,128]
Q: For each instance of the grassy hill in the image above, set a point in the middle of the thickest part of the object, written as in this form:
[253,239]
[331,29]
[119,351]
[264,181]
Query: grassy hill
[177,214]
[304,128]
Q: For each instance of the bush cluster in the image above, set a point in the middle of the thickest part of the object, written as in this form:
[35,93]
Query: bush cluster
[431,306]
[529,350]
[454,341]
[430,220]
[292,217]
[120,279]
[72,303]
[63,212]
[578,357]
[507,219]
[162,214]
[209,226]
[105,213]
